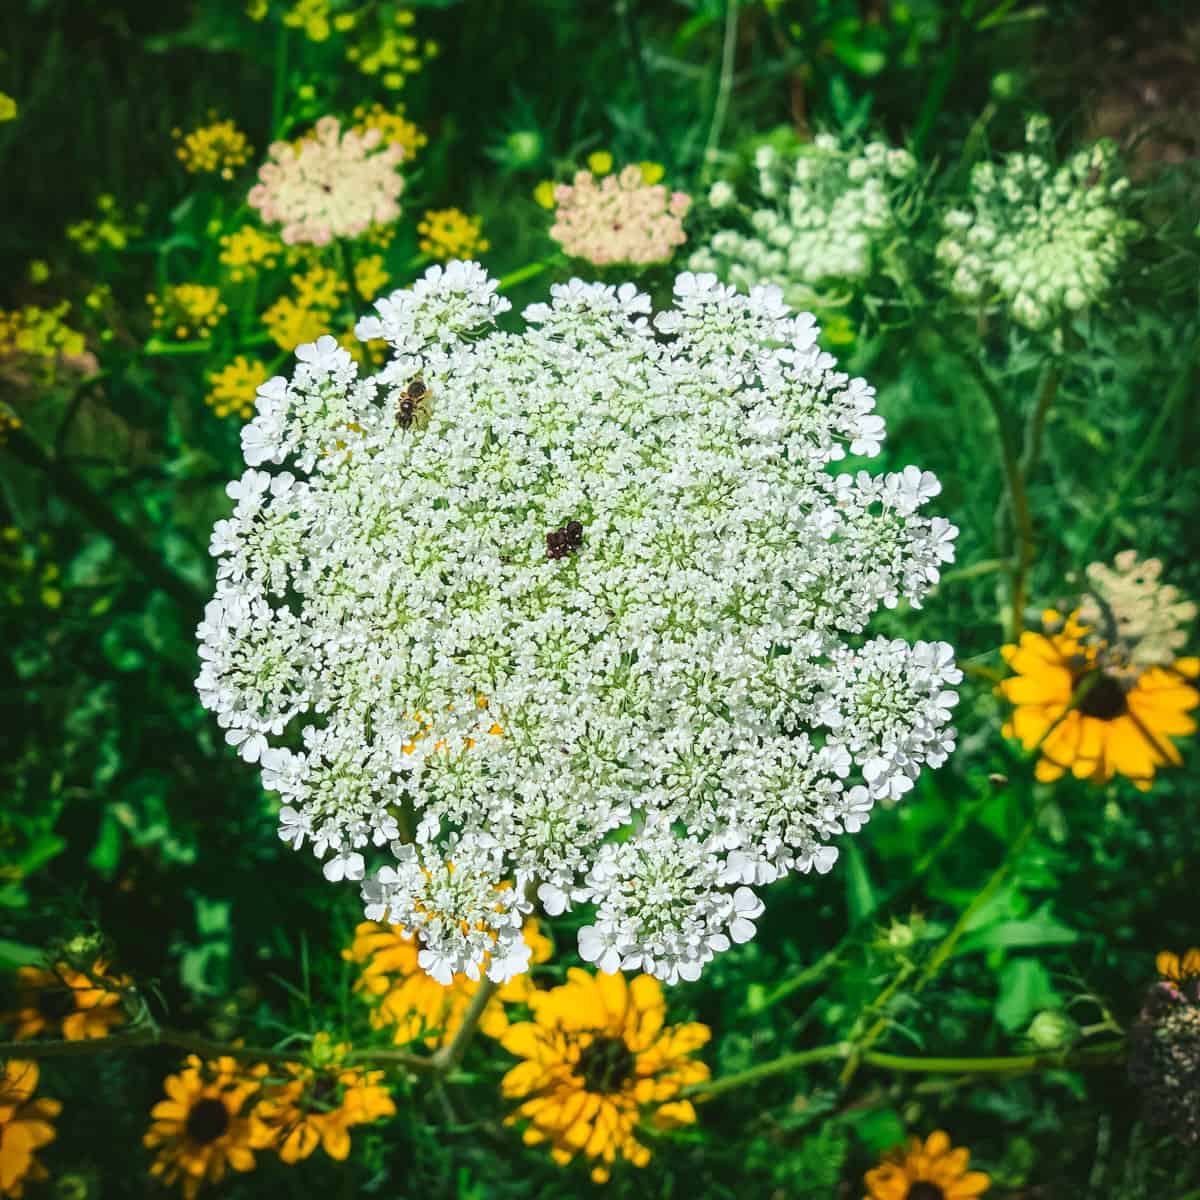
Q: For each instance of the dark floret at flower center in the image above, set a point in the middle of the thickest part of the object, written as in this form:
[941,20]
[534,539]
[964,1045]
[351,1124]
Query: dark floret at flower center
[1105,698]
[606,1064]
[207,1120]
[324,1089]
[56,1001]
[924,1190]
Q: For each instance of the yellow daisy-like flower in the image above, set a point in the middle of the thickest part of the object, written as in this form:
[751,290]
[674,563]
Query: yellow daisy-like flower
[25,1126]
[319,1105]
[1171,966]
[416,1006]
[931,1170]
[61,1001]
[187,310]
[1121,723]
[394,126]
[370,276]
[232,389]
[202,1126]
[217,148]
[597,1055]
[448,233]
[248,250]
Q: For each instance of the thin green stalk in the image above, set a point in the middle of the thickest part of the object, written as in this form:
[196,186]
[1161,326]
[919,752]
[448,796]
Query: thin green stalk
[521,274]
[724,87]
[280,82]
[1175,396]
[346,257]
[1019,1064]
[450,1054]
[985,566]
[947,946]
[95,510]
[156,1035]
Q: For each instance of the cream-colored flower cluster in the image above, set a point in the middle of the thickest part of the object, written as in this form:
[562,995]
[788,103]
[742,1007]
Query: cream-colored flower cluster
[816,217]
[1045,241]
[620,218]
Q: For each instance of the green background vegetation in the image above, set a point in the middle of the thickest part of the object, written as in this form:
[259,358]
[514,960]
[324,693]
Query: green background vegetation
[124,813]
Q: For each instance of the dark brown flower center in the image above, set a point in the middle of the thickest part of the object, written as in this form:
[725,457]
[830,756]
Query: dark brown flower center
[605,1064]
[1105,697]
[324,1089]
[56,1001]
[207,1120]
[924,1190]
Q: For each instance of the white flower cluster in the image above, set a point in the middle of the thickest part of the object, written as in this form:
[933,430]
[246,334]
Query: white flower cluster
[1139,619]
[1047,241]
[574,613]
[818,217]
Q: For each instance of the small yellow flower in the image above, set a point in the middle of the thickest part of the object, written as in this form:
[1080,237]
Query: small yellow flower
[312,16]
[600,162]
[290,324]
[217,148]
[26,1125]
[256,10]
[39,340]
[597,1059]
[544,193]
[370,277]
[393,125]
[931,1170]
[38,270]
[248,250]
[652,172]
[448,233]
[8,108]
[319,287]
[187,310]
[233,388]
[109,229]
[1171,967]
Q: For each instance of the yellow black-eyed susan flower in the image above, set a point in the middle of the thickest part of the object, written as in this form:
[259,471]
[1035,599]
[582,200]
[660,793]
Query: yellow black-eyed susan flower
[932,1169]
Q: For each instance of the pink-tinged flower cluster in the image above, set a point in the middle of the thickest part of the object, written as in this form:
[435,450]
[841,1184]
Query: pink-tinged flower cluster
[330,184]
[618,219]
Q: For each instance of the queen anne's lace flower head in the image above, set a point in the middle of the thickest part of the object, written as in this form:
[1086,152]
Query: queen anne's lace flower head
[618,219]
[329,184]
[574,616]
[1047,241]
[816,217]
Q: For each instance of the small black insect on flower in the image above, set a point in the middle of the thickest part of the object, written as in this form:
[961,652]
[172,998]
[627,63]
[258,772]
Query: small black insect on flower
[412,405]
[561,542]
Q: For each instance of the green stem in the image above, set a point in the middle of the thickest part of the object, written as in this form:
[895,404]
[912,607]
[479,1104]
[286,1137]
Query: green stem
[947,946]
[1175,396]
[633,36]
[1019,1064]
[96,511]
[724,87]
[347,260]
[985,566]
[280,83]
[156,1035]
[449,1055]
[521,274]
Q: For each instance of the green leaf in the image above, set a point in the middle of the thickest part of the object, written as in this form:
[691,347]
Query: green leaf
[880,1129]
[860,895]
[1039,929]
[1025,988]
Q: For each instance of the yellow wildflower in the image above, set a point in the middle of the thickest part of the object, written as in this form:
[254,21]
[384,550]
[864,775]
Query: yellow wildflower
[312,16]
[248,250]
[600,162]
[544,193]
[38,270]
[290,324]
[256,10]
[370,276]
[39,339]
[387,51]
[448,233]
[187,310]
[217,148]
[26,1125]
[233,388]
[652,172]
[931,1169]
[597,1059]
[65,1002]
[8,108]
[394,126]
[109,229]
[319,287]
